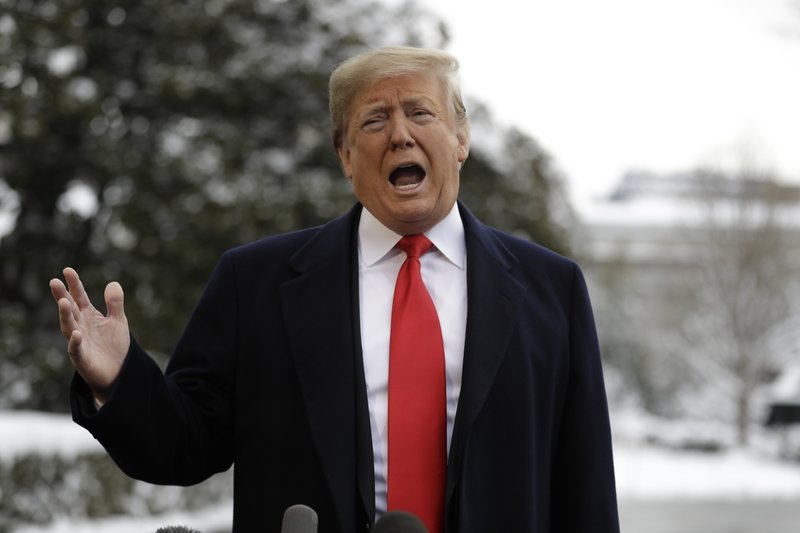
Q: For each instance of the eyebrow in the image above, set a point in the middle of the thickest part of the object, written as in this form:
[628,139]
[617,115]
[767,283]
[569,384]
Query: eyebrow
[380,106]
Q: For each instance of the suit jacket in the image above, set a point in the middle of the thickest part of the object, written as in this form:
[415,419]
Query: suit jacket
[268,375]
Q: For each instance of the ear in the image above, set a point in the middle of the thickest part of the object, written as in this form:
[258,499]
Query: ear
[463,146]
[344,159]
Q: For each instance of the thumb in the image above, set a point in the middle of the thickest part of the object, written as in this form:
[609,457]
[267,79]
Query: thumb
[115,300]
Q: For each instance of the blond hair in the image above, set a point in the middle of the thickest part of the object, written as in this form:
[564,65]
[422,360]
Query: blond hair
[360,71]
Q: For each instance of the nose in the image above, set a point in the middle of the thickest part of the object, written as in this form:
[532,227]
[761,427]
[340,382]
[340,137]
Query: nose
[400,136]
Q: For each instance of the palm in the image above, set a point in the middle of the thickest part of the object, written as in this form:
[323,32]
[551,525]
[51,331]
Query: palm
[104,344]
[97,344]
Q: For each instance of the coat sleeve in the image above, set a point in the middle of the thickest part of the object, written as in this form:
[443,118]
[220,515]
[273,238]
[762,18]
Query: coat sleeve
[175,428]
[584,493]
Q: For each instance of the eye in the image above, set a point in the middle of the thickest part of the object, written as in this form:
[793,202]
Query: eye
[373,122]
[421,114]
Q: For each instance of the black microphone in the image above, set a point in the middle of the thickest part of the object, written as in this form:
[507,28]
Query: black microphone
[399,522]
[299,519]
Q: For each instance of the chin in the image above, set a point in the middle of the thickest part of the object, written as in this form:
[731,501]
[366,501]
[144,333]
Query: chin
[415,222]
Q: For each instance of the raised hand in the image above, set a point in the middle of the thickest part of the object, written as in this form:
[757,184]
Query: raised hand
[97,344]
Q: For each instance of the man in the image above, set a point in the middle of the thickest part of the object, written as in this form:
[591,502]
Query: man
[287,365]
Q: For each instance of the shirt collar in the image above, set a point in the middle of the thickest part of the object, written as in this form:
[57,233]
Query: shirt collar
[377,242]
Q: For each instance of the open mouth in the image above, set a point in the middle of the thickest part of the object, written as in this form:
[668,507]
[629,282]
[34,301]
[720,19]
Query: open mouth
[407,177]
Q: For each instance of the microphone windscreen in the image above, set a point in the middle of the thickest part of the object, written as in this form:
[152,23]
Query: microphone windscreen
[399,522]
[299,519]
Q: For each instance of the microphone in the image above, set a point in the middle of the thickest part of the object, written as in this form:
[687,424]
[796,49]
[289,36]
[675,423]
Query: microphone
[299,519]
[399,522]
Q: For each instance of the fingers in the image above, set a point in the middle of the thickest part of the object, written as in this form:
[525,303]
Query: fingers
[66,317]
[76,289]
[67,310]
[74,346]
[72,299]
[58,290]
[115,300]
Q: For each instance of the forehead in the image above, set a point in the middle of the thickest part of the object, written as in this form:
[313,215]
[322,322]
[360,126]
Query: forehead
[400,89]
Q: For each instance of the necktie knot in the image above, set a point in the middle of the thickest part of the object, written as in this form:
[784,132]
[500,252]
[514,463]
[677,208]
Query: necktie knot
[415,245]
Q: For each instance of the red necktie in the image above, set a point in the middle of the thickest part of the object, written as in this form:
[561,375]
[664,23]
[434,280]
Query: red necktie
[417,406]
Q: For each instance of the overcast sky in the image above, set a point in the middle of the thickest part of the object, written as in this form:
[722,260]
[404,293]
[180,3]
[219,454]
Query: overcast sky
[661,85]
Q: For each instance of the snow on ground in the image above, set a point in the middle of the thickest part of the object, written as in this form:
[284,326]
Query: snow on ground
[644,472]
[45,433]
[669,471]
[217,518]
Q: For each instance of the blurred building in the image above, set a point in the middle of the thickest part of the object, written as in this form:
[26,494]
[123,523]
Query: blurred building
[659,221]
[654,248]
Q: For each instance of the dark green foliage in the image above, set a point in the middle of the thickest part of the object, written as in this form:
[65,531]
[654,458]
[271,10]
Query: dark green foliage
[140,139]
[37,488]
[518,190]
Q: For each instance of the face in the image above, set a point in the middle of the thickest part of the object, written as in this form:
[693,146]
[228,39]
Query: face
[402,153]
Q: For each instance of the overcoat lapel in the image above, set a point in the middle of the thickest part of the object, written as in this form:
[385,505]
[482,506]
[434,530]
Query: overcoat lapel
[317,307]
[494,298]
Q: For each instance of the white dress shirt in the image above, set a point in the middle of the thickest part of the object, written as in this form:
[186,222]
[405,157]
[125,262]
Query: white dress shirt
[445,276]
